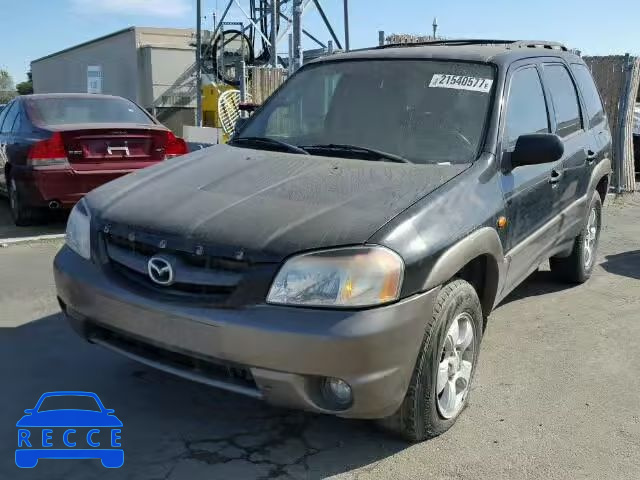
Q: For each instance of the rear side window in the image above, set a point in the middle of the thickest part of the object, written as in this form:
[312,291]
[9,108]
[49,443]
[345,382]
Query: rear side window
[595,111]
[74,110]
[526,107]
[17,124]
[3,114]
[12,113]
[565,99]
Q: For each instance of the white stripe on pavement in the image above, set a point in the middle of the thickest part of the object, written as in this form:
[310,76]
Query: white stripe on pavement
[5,242]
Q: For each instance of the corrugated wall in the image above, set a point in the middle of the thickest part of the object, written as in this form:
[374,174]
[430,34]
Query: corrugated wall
[66,72]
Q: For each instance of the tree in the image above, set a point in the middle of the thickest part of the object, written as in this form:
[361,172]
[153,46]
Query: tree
[25,88]
[7,91]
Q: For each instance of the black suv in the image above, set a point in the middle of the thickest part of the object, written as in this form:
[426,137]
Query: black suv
[343,252]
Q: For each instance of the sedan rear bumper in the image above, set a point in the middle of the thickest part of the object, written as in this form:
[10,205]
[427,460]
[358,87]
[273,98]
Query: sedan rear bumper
[65,186]
[279,354]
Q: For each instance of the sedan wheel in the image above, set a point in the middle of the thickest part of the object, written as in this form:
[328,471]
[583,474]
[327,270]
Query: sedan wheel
[13,196]
[22,214]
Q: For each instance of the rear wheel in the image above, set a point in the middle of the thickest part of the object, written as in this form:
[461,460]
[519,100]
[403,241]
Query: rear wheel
[22,214]
[578,267]
[440,385]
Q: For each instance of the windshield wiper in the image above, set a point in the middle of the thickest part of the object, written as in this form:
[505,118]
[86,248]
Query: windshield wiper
[267,141]
[358,149]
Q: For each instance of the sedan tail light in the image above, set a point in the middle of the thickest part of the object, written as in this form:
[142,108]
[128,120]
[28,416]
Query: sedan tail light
[49,154]
[175,146]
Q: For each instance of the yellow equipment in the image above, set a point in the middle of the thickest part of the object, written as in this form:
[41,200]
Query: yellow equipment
[210,96]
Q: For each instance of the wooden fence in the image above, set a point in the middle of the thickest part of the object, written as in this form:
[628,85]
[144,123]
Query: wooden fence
[618,79]
[263,81]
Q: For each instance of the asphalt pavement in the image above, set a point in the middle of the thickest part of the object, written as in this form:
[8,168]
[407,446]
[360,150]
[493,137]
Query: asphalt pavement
[53,224]
[556,396]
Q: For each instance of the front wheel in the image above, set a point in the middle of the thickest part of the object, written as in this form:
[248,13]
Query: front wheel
[578,267]
[441,381]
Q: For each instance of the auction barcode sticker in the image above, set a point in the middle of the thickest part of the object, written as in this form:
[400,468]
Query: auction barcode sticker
[461,82]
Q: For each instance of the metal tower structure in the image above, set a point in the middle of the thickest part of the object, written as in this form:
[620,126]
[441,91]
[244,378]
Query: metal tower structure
[266,24]
[254,41]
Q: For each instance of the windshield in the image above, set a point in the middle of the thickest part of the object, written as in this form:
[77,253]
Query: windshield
[71,110]
[66,402]
[422,111]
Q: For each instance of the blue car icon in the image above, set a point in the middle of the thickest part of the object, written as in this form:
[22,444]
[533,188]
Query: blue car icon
[53,430]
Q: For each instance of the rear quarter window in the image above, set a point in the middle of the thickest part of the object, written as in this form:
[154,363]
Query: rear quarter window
[590,94]
[565,99]
[10,117]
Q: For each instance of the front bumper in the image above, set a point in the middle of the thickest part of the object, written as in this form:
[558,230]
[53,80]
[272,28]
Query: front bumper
[288,351]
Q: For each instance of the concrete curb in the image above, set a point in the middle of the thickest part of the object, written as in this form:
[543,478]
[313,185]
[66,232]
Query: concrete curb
[6,242]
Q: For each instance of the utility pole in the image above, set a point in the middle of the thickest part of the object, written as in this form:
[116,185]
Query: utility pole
[291,59]
[346,25]
[435,27]
[199,65]
[297,34]
[275,13]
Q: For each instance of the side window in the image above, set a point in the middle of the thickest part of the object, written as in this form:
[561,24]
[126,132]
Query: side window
[592,99]
[3,115]
[565,99]
[526,107]
[17,124]
[10,117]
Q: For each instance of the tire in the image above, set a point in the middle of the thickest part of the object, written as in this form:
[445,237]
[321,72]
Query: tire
[422,414]
[578,267]
[22,214]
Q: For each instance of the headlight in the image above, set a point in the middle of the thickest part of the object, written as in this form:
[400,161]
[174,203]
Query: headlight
[344,277]
[78,235]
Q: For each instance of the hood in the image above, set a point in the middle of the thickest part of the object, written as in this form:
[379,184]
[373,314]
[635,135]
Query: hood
[269,202]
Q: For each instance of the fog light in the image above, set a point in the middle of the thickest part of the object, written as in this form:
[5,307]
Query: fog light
[337,391]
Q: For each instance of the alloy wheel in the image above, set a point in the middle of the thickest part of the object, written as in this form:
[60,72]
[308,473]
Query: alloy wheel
[590,238]
[456,364]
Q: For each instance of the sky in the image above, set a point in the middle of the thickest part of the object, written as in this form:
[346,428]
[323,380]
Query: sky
[30,29]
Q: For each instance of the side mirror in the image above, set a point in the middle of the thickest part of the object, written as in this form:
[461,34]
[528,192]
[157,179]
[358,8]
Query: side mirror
[536,149]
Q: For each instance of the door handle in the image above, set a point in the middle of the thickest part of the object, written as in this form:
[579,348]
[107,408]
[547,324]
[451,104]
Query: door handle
[555,177]
[591,156]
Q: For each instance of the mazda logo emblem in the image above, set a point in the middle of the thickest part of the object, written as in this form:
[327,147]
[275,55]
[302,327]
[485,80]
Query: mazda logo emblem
[160,271]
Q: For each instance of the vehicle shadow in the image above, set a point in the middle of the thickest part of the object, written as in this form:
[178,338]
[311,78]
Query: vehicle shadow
[626,264]
[540,282]
[173,428]
[53,224]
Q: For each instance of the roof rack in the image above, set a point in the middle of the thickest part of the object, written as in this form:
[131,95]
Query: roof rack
[482,42]
[540,44]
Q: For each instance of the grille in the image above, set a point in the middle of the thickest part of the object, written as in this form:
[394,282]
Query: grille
[202,277]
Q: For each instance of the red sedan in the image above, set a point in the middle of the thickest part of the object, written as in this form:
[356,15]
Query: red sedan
[56,148]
